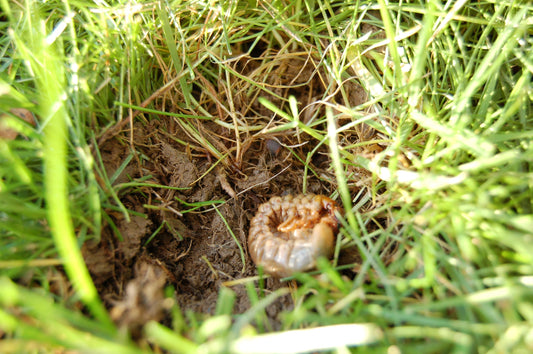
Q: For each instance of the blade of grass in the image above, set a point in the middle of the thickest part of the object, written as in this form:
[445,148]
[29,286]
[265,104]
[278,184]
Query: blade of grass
[392,45]
[46,63]
[171,45]
[340,173]
[241,250]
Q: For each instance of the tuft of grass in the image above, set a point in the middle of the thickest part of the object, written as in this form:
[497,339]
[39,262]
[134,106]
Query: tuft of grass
[434,169]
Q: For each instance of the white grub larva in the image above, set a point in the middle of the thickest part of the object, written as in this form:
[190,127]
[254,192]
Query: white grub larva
[289,233]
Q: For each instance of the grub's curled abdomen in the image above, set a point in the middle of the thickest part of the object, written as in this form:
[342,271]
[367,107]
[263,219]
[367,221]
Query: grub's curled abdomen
[289,233]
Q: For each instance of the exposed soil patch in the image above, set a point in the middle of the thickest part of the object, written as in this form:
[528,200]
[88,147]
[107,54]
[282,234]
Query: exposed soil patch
[219,175]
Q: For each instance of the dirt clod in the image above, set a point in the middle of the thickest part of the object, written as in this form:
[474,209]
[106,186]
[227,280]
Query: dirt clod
[143,299]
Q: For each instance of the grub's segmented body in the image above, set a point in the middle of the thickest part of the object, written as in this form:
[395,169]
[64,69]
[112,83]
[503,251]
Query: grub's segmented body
[289,233]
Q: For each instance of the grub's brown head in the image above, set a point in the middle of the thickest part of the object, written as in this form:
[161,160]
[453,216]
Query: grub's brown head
[330,208]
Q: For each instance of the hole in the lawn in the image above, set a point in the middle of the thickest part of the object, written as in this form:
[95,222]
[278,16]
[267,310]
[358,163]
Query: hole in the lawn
[254,47]
[194,248]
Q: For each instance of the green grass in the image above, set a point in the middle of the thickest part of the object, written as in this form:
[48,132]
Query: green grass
[443,223]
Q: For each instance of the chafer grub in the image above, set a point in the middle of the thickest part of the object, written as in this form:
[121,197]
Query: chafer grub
[289,233]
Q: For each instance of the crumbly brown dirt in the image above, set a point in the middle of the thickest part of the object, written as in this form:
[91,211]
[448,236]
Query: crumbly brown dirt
[166,238]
